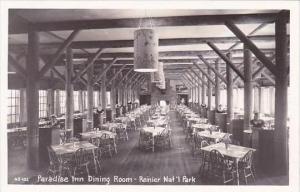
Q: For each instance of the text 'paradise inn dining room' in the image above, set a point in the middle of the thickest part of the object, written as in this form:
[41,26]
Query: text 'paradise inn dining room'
[148,97]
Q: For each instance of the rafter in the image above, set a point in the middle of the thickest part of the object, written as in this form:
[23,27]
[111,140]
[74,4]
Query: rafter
[116,74]
[196,20]
[212,68]
[88,64]
[226,59]
[124,77]
[207,76]
[254,49]
[105,70]
[20,70]
[58,53]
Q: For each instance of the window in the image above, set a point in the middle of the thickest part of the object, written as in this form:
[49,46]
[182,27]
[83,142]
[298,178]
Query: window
[76,100]
[13,115]
[62,101]
[42,103]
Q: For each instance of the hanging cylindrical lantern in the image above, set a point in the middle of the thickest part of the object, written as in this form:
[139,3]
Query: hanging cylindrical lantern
[157,76]
[145,50]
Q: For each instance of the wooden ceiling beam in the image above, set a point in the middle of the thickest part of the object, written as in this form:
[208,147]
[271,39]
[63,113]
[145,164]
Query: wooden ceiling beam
[226,59]
[254,49]
[196,20]
[164,54]
[207,76]
[91,60]
[125,76]
[116,74]
[199,77]
[163,42]
[98,78]
[212,68]
[58,53]
[17,66]
[58,74]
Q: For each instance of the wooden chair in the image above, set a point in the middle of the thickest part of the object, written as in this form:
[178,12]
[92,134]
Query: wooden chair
[145,140]
[122,133]
[196,144]
[106,144]
[163,140]
[221,167]
[205,162]
[246,166]
[57,166]
[82,161]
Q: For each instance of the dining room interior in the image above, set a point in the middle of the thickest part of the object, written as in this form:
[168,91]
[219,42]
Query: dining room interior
[148,97]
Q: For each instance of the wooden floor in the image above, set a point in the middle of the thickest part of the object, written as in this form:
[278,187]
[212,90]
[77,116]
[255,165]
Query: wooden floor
[130,162]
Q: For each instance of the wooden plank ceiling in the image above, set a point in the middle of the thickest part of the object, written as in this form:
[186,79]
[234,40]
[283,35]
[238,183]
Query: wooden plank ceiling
[183,37]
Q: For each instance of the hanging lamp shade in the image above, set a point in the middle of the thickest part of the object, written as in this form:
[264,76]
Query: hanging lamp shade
[145,50]
[157,76]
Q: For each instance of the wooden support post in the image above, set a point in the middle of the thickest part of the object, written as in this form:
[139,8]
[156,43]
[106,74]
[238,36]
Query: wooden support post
[113,98]
[103,92]
[80,101]
[229,92]
[32,97]
[69,91]
[260,104]
[23,107]
[50,102]
[90,96]
[248,88]
[281,158]
[199,93]
[217,87]
[209,90]
[203,90]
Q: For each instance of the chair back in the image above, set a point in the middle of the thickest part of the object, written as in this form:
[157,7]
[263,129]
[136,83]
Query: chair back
[104,139]
[248,159]
[94,141]
[144,136]
[204,143]
[216,158]
[80,156]
[197,139]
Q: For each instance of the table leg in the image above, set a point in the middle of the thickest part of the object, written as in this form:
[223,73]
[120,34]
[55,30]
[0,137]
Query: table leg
[237,172]
[95,161]
[115,146]
[153,144]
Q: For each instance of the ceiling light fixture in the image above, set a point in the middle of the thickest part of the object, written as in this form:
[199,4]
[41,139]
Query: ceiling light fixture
[145,49]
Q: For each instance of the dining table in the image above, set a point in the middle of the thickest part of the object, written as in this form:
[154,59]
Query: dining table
[214,135]
[97,134]
[201,127]
[155,131]
[234,152]
[71,148]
